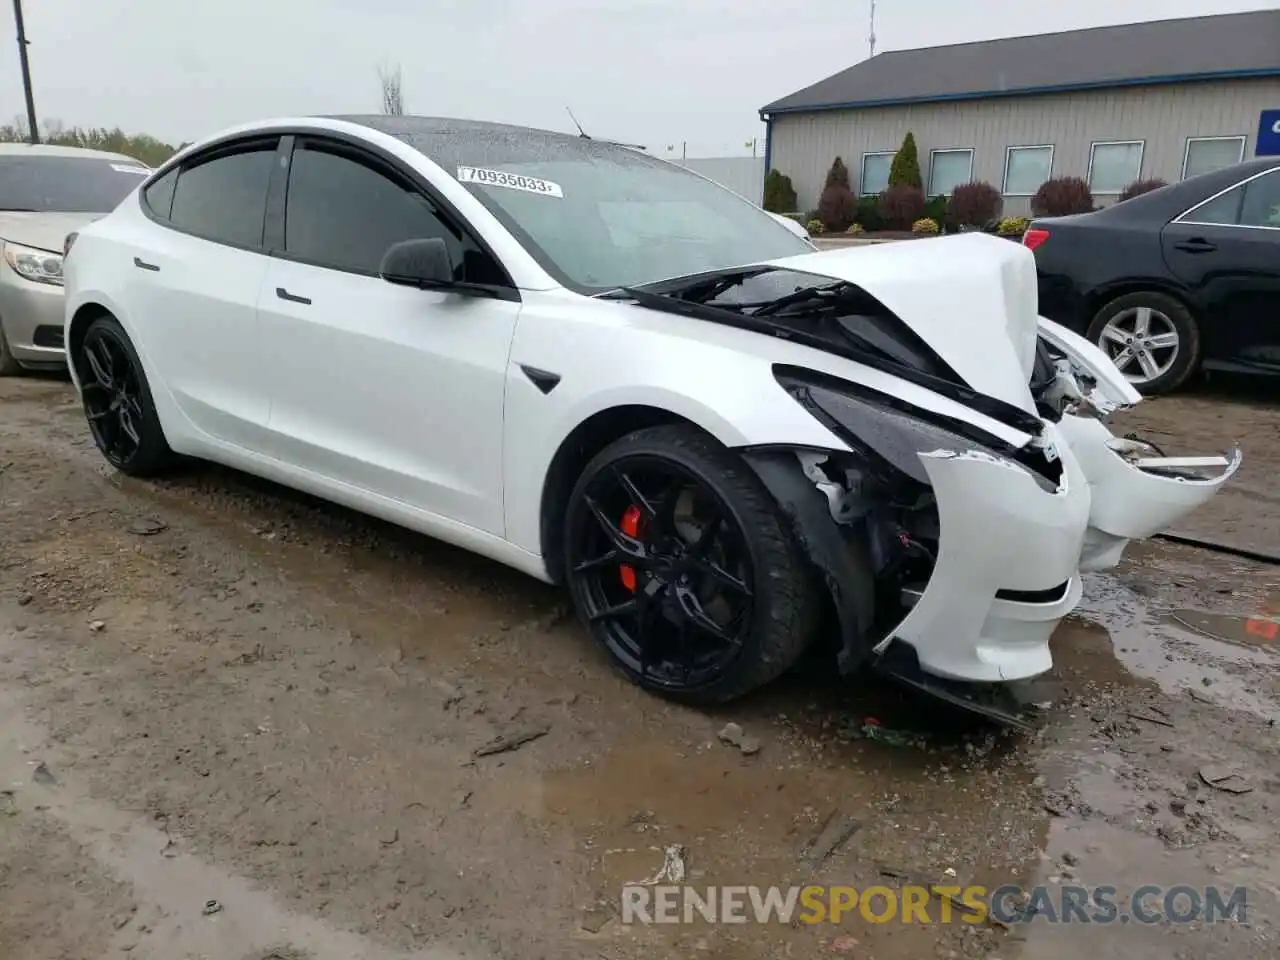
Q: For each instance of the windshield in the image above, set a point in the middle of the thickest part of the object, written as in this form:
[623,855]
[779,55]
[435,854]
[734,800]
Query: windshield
[596,215]
[50,184]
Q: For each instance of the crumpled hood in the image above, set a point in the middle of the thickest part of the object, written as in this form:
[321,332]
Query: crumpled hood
[47,231]
[972,297]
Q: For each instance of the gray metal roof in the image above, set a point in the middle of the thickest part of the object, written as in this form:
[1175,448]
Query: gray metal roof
[1133,54]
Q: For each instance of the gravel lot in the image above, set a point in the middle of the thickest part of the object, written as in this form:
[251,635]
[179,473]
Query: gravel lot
[243,696]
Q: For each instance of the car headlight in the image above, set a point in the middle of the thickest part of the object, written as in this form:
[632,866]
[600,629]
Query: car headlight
[30,263]
[880,426]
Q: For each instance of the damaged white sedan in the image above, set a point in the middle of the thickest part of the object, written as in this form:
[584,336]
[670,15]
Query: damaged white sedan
[607,371]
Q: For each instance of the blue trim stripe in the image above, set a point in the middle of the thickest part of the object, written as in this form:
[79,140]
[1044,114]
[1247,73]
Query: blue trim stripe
[766,112]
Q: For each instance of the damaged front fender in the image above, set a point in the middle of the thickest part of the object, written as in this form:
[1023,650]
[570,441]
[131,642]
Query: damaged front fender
[839,554]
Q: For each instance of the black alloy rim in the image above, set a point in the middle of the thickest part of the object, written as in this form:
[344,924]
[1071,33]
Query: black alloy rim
[112,392]
[660,567]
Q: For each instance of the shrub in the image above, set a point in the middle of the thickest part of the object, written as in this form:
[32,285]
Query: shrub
[1012,226]
[779,193]
[1139,187]
[799,218]
[925,225]
[936,209]
[855,228]
[868,213]
[837,206]
[905,169]
[809,215]
[815,226]
[1062,196]
[901,206]
[973,204]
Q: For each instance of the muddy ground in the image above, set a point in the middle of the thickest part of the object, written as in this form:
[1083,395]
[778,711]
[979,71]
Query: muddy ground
[274,704]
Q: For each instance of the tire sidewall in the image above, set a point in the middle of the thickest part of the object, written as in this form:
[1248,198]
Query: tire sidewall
[8,365]
[153,453]
[1187,360]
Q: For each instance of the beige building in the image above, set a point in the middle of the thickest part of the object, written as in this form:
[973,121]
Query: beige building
[1166,100]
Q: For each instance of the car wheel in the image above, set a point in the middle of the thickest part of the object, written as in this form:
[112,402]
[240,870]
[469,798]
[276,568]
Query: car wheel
[680,565]
[9,367]
[117,401]
[1151,338]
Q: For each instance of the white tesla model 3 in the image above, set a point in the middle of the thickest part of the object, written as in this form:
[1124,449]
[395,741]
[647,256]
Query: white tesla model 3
[604,370]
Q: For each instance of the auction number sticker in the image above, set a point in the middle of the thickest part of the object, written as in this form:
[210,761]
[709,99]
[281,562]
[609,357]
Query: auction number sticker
[512,181]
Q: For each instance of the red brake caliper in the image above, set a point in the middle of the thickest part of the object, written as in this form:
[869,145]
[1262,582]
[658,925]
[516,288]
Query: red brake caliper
[631,527]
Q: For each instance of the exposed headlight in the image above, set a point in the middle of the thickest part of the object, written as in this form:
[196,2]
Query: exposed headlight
[880,428]
[38,266]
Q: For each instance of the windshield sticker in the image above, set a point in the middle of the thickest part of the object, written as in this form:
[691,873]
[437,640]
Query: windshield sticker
[130,168]
[512,181]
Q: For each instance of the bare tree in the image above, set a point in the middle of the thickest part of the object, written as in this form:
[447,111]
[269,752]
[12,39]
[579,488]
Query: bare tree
[392,92]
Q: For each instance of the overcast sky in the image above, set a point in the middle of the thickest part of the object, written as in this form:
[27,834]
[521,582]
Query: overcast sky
[655,72]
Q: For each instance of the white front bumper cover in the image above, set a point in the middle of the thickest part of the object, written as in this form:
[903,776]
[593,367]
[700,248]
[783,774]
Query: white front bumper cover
[1006,570]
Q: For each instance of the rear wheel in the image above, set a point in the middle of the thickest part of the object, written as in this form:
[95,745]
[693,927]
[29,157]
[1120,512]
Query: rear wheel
[9,367]
[117,401]
[680,565]
[1151,338]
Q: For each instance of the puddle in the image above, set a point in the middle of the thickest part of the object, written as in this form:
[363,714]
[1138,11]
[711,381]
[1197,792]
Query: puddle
[1244,631]
[1186,652]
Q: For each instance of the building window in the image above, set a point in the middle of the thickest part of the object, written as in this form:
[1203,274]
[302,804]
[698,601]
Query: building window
[948,169]
[1206,154]
[1114,165]
[875,173]
[1025,168]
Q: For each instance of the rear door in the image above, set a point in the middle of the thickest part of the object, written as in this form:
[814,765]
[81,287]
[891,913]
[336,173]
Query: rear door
[1227,251]
[194,274]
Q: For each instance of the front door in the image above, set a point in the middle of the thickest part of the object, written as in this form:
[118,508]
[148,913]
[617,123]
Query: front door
[393,390]
[1227,251]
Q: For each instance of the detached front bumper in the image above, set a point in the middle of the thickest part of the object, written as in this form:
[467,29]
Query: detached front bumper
[1135,496]
[1006,570]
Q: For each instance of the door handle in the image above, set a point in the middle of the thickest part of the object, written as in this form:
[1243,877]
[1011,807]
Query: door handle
[1196,245]
[143,265]
[284,294]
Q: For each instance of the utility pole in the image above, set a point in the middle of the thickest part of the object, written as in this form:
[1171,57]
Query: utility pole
[871,37]
[34,132]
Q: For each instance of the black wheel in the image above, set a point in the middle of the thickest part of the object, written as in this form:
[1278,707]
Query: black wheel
[117,401]
[9,367]
[679,563]
[1152,338]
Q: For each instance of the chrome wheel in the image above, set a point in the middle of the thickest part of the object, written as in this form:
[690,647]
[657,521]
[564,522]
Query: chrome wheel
[1142,342]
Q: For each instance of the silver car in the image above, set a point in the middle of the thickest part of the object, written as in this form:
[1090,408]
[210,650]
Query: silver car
[47,192]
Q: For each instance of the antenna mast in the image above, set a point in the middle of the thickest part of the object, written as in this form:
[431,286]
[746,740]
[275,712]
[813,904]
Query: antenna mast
[871,37]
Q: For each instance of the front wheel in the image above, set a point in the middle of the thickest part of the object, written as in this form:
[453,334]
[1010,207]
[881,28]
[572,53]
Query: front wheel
[9,367]
[1151,338]
[680,565]
[117,401]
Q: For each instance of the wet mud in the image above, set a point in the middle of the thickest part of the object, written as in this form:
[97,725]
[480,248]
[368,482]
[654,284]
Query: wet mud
[242,696]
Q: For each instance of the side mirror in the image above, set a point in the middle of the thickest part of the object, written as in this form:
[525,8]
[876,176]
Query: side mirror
[418,263]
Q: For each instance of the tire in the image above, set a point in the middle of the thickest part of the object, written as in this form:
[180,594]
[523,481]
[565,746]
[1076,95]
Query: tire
[1169,315]
[9,367]
[114,390]
[750,548]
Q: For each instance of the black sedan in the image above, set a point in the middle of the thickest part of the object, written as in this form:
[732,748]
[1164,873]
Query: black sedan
[1172,280]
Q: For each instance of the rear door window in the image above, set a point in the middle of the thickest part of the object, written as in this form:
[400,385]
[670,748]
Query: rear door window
[224,197]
